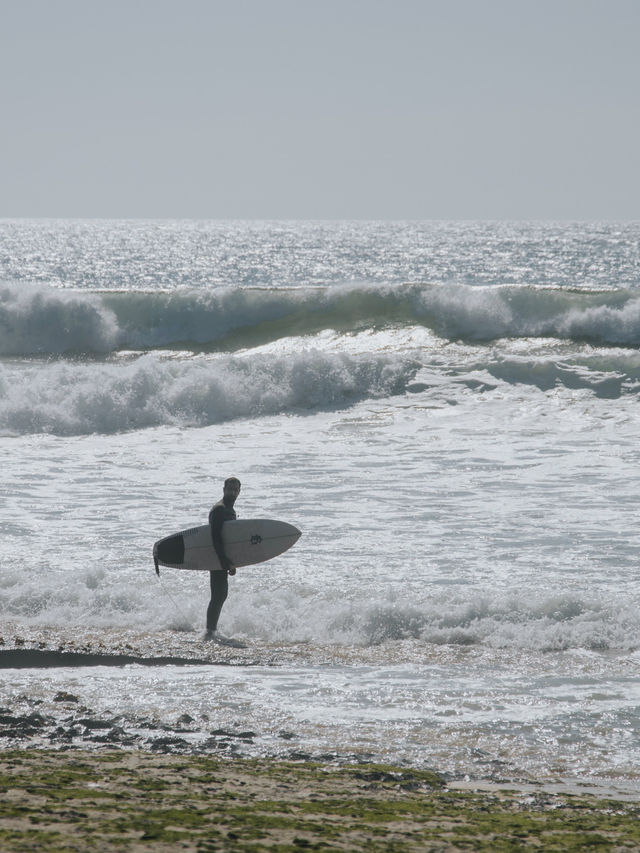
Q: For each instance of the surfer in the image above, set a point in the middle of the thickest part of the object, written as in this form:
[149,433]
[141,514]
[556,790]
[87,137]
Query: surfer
[221,512]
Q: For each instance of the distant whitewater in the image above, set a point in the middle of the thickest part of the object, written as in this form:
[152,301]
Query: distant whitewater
[78,362]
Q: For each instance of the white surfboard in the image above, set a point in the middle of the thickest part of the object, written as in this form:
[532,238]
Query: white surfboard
[246,542]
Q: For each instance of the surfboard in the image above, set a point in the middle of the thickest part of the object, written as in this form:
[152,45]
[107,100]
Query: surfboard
[246,542]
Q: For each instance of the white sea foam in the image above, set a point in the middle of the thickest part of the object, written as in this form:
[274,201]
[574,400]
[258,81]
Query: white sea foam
[539,622]
[490,313]
[83,397]
[68,398]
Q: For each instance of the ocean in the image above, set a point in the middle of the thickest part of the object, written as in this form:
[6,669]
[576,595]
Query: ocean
[448,411]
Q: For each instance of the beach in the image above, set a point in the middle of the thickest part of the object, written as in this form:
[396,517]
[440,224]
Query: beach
[133,800]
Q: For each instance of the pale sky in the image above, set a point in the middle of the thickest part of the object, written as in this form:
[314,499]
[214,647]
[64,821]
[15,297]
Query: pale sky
[320,109]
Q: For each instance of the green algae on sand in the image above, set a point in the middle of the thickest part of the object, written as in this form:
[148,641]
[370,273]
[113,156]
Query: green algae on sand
[102,801]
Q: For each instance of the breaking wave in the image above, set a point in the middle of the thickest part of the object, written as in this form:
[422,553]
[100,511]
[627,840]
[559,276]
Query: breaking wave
[45,321]
[546,623]
[68,398]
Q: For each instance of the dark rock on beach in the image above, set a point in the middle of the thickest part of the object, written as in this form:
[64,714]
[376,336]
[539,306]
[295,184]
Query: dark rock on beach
[231,734]
[63,696]
[24,726]
[90,723]
[168,744]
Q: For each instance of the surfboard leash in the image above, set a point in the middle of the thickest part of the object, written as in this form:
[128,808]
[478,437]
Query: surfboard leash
[179,610]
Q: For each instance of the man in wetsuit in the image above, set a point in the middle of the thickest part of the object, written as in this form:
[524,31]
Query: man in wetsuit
[221,512]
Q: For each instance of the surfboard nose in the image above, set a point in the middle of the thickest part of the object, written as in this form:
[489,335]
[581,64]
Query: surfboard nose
[288,531]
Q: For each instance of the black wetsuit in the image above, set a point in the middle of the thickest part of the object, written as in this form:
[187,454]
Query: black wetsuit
[219,579]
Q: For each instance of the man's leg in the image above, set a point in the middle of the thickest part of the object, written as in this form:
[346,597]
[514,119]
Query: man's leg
[219,591]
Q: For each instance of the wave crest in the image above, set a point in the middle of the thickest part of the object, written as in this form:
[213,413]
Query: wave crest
[36,320]
[75,399]
[43,321]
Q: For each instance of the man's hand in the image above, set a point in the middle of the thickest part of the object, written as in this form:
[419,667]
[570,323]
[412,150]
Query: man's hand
[231,569]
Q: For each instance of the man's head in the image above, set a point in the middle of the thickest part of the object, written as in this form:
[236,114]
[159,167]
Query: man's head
[231,488]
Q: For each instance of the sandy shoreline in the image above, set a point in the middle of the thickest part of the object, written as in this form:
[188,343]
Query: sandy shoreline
[134,800]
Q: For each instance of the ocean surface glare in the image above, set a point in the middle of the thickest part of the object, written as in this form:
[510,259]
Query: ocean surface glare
[449,413]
